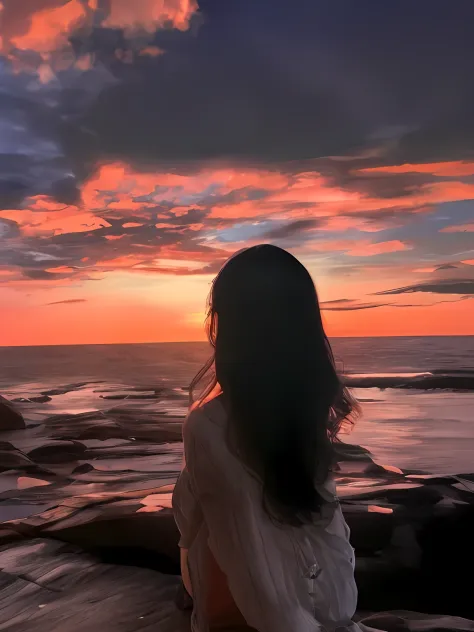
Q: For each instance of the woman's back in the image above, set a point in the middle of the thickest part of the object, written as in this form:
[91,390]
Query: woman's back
[279,577]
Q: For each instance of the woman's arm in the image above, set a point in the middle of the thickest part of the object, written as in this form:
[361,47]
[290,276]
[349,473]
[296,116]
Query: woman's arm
[185,571]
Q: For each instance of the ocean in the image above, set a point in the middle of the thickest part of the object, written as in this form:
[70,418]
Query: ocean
[417,428]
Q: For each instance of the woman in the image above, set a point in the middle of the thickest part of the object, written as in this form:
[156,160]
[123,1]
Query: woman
[264,545]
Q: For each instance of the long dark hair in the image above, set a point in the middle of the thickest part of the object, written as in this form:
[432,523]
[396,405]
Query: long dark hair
[274,365]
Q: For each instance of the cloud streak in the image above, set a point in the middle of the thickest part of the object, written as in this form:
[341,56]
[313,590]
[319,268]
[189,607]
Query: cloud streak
[69,301]
[445,286]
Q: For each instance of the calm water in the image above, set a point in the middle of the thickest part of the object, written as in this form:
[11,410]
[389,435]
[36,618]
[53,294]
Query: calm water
[428,430]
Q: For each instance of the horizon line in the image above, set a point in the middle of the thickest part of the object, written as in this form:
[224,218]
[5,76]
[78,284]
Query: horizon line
[184,342]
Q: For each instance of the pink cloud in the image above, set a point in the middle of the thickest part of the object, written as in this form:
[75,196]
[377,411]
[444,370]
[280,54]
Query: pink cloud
[292,197]
[369,250]
[459,228]
[358,249]
[313,188]
[448,169]
[48,28]
[150,14]
[126,261]
[69,220]
[215,199]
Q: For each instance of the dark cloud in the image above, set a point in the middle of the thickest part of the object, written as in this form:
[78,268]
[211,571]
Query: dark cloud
[253,87]
[445,286]
[244,194]
[292,229]
[68,301]
[446,266]
[211,268]
[236,112]
[350,308]
[8,228]
[337,301]
[351,176]
[257,84]
[456,300]
[12,192]
[348,305]
[40,275]
[449,137]
[34,155]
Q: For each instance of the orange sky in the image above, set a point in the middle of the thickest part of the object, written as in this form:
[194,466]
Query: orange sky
[120,268]
[104,323]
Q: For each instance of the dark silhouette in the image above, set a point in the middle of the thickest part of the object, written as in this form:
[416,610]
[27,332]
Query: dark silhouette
[274,364]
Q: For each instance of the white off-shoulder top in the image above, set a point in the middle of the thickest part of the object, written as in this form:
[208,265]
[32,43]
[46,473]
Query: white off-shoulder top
[281,578]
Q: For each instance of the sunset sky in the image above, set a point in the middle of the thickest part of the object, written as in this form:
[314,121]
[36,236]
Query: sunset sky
[141,143]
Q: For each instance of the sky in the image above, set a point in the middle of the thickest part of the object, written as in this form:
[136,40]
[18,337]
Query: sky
[142,143]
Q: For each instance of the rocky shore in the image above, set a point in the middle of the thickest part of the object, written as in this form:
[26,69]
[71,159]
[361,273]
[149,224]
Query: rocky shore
[88,541]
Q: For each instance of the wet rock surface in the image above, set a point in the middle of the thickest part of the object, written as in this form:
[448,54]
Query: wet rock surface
[46,586]
[454,380]
[90,494]
[10,418]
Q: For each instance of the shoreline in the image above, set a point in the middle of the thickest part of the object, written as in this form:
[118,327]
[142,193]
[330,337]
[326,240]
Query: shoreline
[192,342]
[460,379]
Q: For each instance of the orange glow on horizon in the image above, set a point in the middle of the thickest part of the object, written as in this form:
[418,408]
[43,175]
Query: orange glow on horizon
[444,319]
[86,323]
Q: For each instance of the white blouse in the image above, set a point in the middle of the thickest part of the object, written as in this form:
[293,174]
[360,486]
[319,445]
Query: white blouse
[282,578]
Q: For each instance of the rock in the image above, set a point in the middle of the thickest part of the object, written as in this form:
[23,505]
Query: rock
[448,559]
[155,533]
[10,419]
[57,452]
[57,391]
[406,621]
[384,470]
[13,459]
[147,425]
[132,396]
[370,532]
[47,586]
[350,452]
[85,468]
[89,425]
[41,399]
[455,381]
[26,482]
[405,546]
[116,423]
[68,388]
